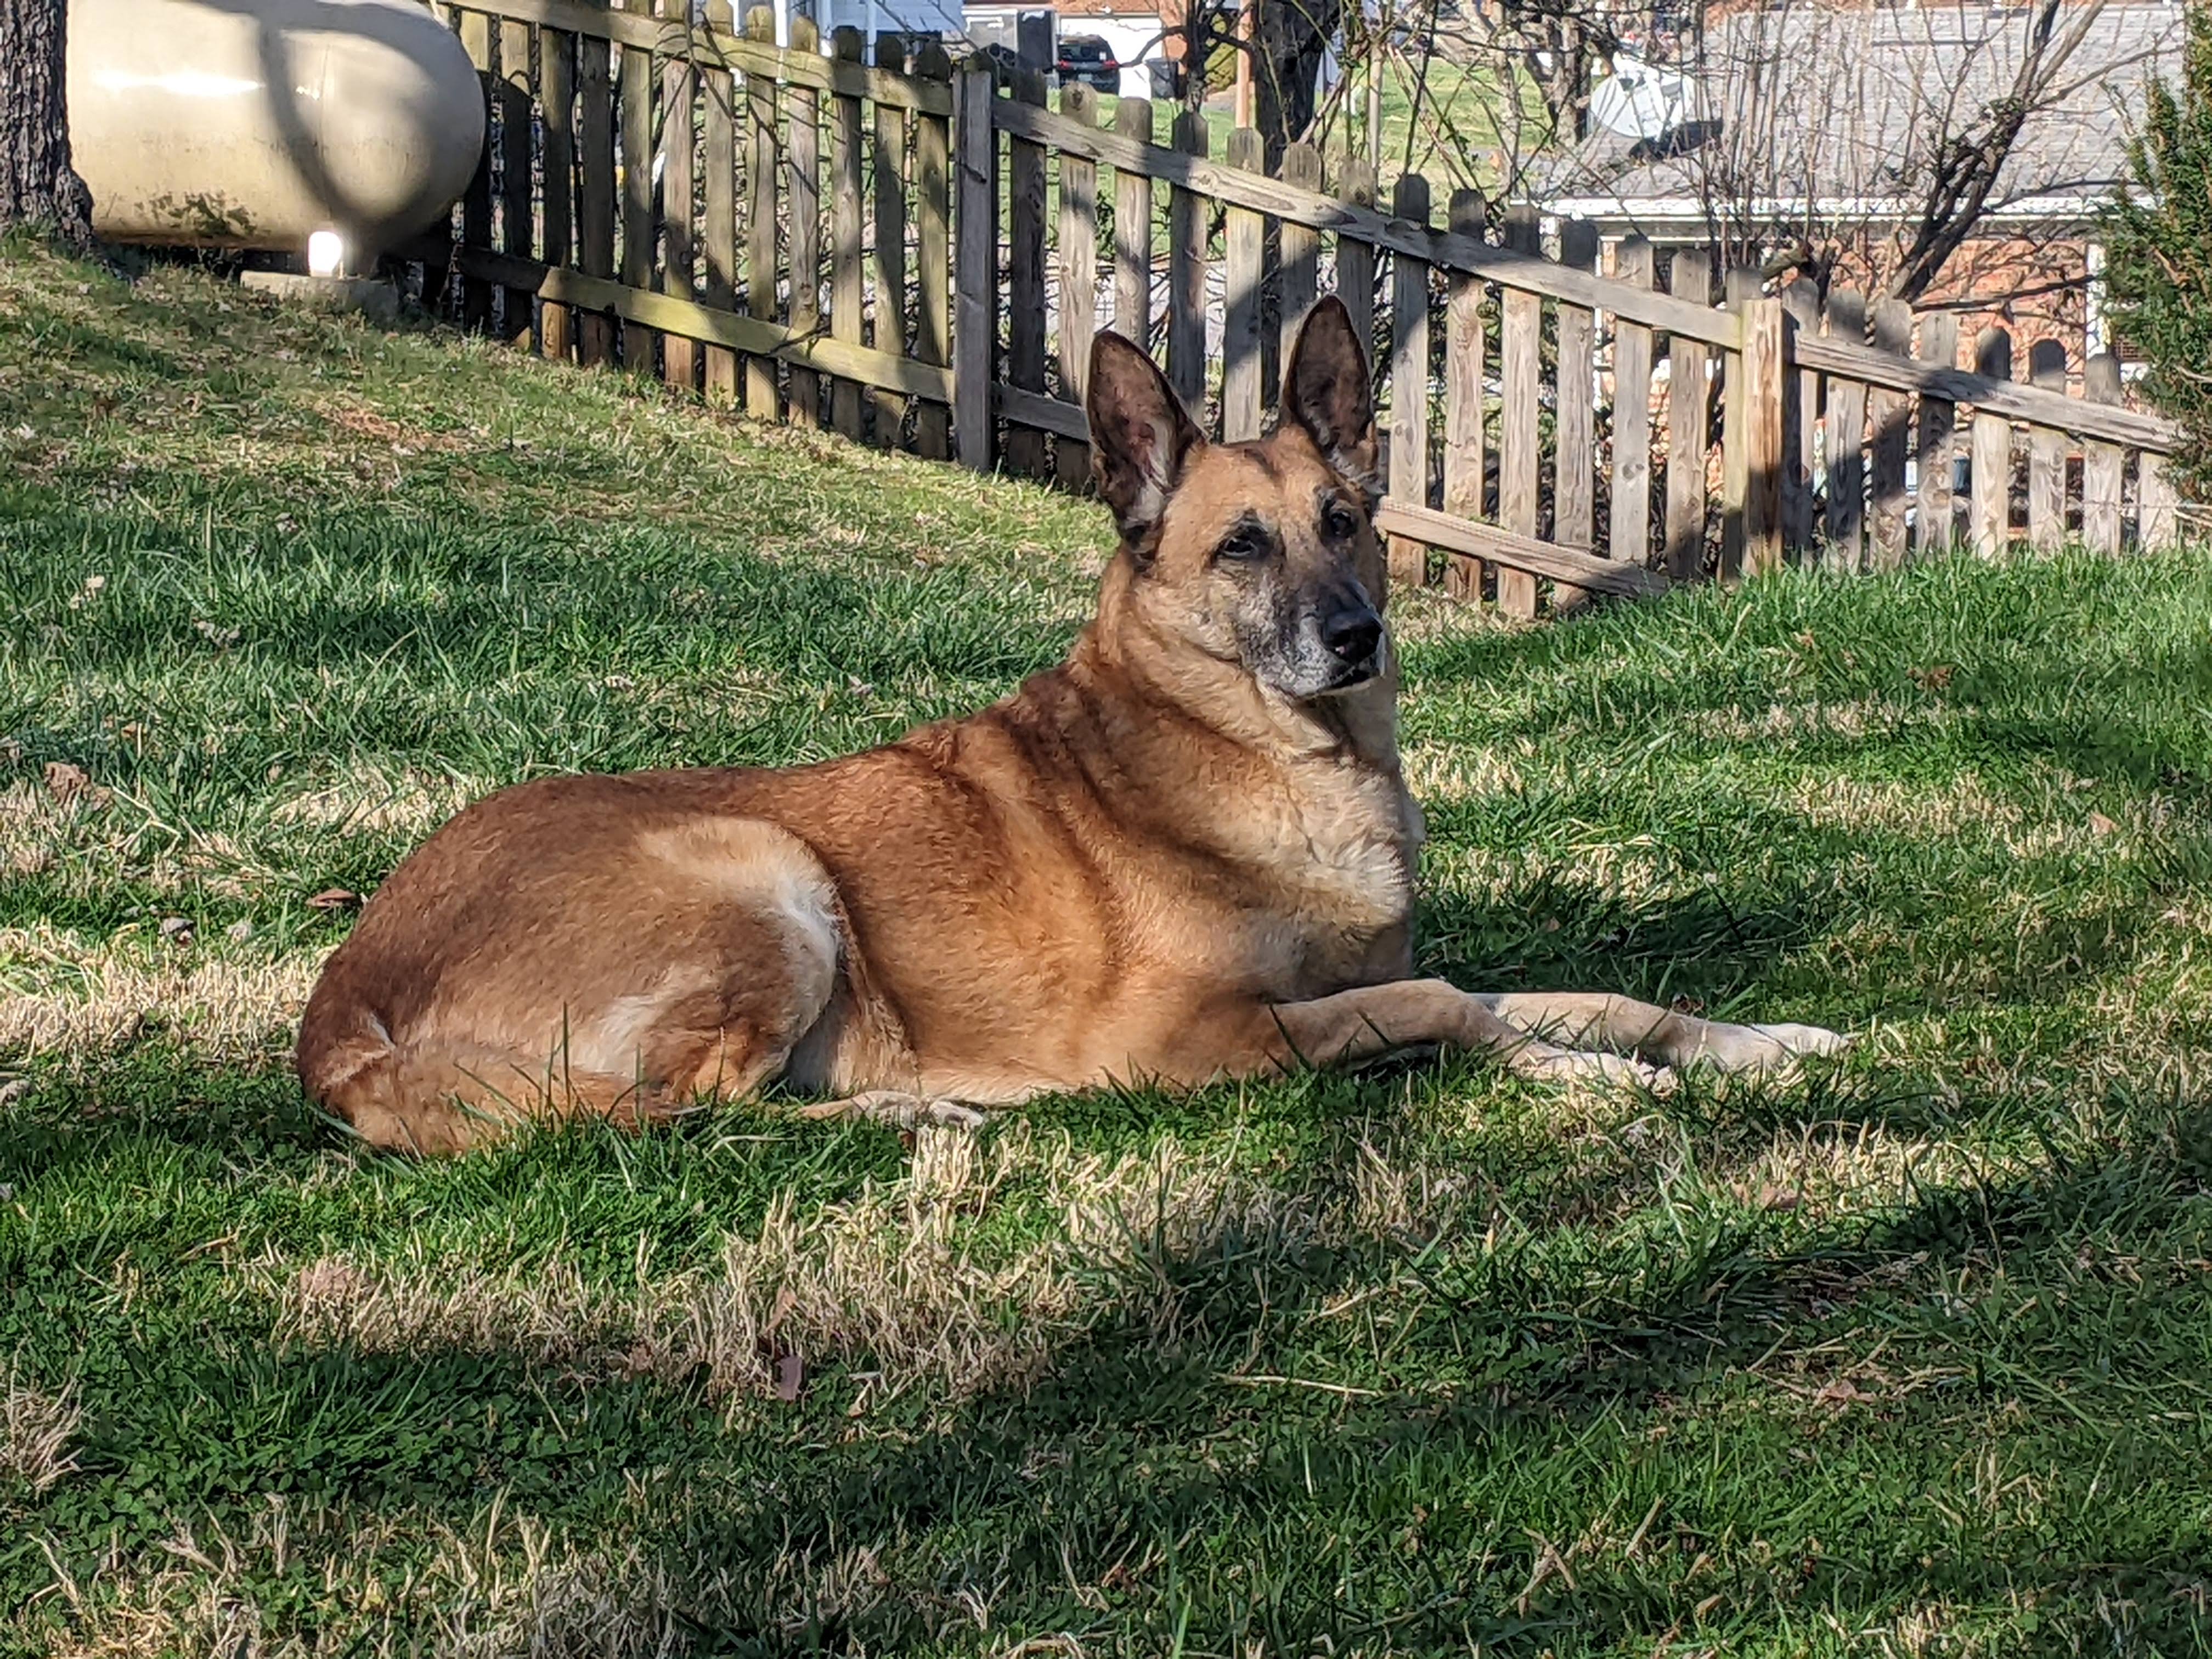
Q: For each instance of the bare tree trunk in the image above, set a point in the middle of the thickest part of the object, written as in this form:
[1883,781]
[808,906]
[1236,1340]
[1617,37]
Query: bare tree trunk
[37,185]
[1292,38]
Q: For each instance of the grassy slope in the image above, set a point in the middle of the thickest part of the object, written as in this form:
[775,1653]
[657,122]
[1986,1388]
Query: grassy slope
[1910,1357]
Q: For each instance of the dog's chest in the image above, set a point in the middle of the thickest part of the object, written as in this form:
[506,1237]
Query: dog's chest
[1336,886]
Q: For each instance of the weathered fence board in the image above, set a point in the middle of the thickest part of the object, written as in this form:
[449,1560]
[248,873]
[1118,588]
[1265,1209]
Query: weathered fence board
[1409,380]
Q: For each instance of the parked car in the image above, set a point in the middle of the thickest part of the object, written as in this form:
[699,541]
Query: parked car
[1089,59]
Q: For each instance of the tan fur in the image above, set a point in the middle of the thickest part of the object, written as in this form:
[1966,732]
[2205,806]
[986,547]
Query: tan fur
[1173,857]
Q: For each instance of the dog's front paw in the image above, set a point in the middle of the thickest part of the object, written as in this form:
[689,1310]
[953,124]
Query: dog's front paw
[1607,1070]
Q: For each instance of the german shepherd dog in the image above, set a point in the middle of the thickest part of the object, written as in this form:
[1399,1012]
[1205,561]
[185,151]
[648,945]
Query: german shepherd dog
[1186,854]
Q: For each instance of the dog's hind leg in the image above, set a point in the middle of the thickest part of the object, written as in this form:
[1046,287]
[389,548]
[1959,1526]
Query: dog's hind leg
[1622,1025]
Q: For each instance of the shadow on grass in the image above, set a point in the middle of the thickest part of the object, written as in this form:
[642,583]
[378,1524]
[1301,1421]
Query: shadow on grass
[1145,1495]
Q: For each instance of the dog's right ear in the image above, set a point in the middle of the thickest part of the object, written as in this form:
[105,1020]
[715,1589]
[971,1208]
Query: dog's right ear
[1141,436]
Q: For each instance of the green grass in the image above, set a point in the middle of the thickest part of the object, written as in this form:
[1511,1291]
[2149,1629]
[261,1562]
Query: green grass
[1909,1358]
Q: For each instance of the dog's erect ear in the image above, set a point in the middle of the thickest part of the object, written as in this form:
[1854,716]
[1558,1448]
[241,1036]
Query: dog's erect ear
[1325,392]
[1140,434]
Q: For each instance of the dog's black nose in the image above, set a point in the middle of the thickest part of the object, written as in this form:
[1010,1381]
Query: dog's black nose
[1352,633]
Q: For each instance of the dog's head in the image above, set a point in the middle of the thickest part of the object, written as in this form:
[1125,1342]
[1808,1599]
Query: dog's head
[1262,553]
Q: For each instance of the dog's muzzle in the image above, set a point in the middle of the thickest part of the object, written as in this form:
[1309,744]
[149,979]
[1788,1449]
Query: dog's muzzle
[1353,636]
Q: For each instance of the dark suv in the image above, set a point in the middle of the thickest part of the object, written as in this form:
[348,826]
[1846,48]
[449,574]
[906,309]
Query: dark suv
[1087,59]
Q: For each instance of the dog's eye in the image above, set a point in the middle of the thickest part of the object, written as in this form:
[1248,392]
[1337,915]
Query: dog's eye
[1339,522]
[1243,545]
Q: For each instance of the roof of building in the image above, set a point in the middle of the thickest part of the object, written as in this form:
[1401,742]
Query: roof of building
[1826,111]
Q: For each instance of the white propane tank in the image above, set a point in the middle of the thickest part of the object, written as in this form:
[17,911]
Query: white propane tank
[255,123]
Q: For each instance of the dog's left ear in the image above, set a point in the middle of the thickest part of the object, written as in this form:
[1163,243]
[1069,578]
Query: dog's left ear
[1141,436]
[1325,392]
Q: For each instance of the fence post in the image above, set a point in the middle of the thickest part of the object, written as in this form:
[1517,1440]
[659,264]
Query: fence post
[1990,515]
[1244,250]
[2158,505]
[516,209]
[1740,288]
[1846,437]
[1355,259]
[1132,230]
[976,331]
[595,199]
[476,201]
[763,402]
[1409,382]
[640,230]
[1300,252]
[1801,419]
[1520,443]
[889,205]
[1025,290]
[1463,367]
[848,297]
[1079,283]
[2101,463]
[1890,414]
[2046,454]
[556,75]
[1689,422]
[1574,481]
[932,185]
[1765,374]
[1186,264]
[1935,438]
[679,357]
[719,216]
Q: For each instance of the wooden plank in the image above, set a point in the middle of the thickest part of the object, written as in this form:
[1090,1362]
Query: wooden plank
[2102,465]
[476,34]
[1344,215]
[748,55]
[1890,414]
[1186,273]
[1845,434]
[847,284]
[802,149]
[887,301]
[1519,439]
[557,77]
[1689,423]
[595,196]
[1244,255]
[640,228]
[1629,536]
[1078,275]
[1935,440]
[1766,373]
[756,336]
[2157,506]
[1409,383]
[1132,229]
[1025,289]
[679,357]
[517,201]
[1801,424]
[1521,556]
[2046,455]
[932,201]
[1574,411]
[1463,397]
[1743,286]
[2026,403]
[1355,256]
[975,333]
[719,214]
[1301,253]
[1989,514]
[763,400]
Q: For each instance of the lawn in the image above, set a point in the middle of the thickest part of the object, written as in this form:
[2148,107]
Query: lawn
[1910,1357]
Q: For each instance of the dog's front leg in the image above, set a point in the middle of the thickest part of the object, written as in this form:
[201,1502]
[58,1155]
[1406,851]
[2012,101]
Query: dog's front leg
[1600,1019]
[1373,1020]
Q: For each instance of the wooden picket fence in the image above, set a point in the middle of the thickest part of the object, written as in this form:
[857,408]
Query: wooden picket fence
[654,193]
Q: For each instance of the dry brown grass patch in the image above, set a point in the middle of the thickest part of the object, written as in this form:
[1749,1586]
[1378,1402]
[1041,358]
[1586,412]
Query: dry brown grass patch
[61,994]
[36,1427]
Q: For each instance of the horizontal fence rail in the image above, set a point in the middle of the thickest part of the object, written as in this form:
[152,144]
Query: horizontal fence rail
[865,239]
